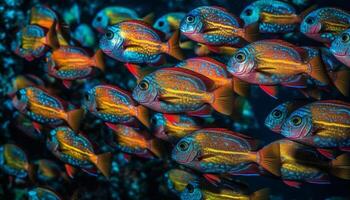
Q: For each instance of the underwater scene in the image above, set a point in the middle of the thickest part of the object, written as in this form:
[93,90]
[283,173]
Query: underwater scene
[174,99]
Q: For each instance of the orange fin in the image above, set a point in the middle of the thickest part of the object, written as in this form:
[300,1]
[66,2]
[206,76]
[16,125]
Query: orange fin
[51,37]
[138,71]
[251,32]
[269,158]
[74,118]
[155,146]
[262,194]
[143,115]
[318,71]
[173,48]
[340,167]
[240,87]
[103,163]
[149,18]
[270,90]
[223,100]
[98,60]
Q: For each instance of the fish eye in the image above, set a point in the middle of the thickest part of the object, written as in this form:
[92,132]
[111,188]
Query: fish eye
[183,145]
[240,57]
[310,20]
[190,19]
[277,113]
[18,95]
[160,23]
[109,34]
[99,18]
[345,37]
[248,12]
[190,188]
[87,96]
[143,85]
[296,120]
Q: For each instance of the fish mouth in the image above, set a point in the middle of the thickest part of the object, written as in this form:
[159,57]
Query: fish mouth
[346,53]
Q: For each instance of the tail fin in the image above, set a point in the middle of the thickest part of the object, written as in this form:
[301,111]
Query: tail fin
[269,158]
[223,100]
[260,194]
[143,115]
[340,167]
[98,60]
[155,146]
[173,48]
[240,87]
[251,32]
[51,37]
[318,71]
[149,18]
[74,118]
[103,163]
[138,71]
[341,81]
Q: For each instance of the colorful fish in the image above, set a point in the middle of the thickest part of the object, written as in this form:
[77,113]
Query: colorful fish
[272,16]
[271,62]
[137,42]
[169,23]
[42,193]
[14,161]
[76,150]
[113,15]
[215,26]
[340,47]
[44,108]
[204,191]
[301,163]
[33,41]
[133,141]
[279,114]
[84,35]
[322,124]
[72,63]
[48,170]
[173,127]
[191,93]
[218,150]
[114,105]
[178,179]
[324,24]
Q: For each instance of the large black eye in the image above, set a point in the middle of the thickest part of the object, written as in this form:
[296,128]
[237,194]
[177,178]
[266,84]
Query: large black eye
[190,19]
[345,37]
[310,20]
[143,85]
[190,188]
[240,57]
[183,146]
[109,34]
[87,96]
[160,23]
[99,18]
[277,113]
[296,120]
[18,95]
[248,12]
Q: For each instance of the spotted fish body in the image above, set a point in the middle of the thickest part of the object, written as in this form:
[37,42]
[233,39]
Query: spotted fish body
[173,127]
[340,47]
[220,151]
[322,124]
[42,193]
[114,105]
[13,161]
[325,24]
[178,179]
[212,26]
[137,42]
[272,16]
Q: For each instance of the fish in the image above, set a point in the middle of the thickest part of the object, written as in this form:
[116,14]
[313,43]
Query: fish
[84,35]
[340,47]
[23,81]
[43,108]
[280,113]
[72,63]
[33,41]
[301,163]
[272,16]
[133,141]
[113,105]
[171,127]
[204,191]
[14,161]
[215,26]
[322,124]
[324,24]
[216,71]
[271,62]
[72,15]
[48,171]
[137,42]
[178,179]
[115,14]
[169,23]
[77,151]
[42,193]
[217,150]
[191,94]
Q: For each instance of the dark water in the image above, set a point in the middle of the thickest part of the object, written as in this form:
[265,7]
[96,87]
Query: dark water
[140,178]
